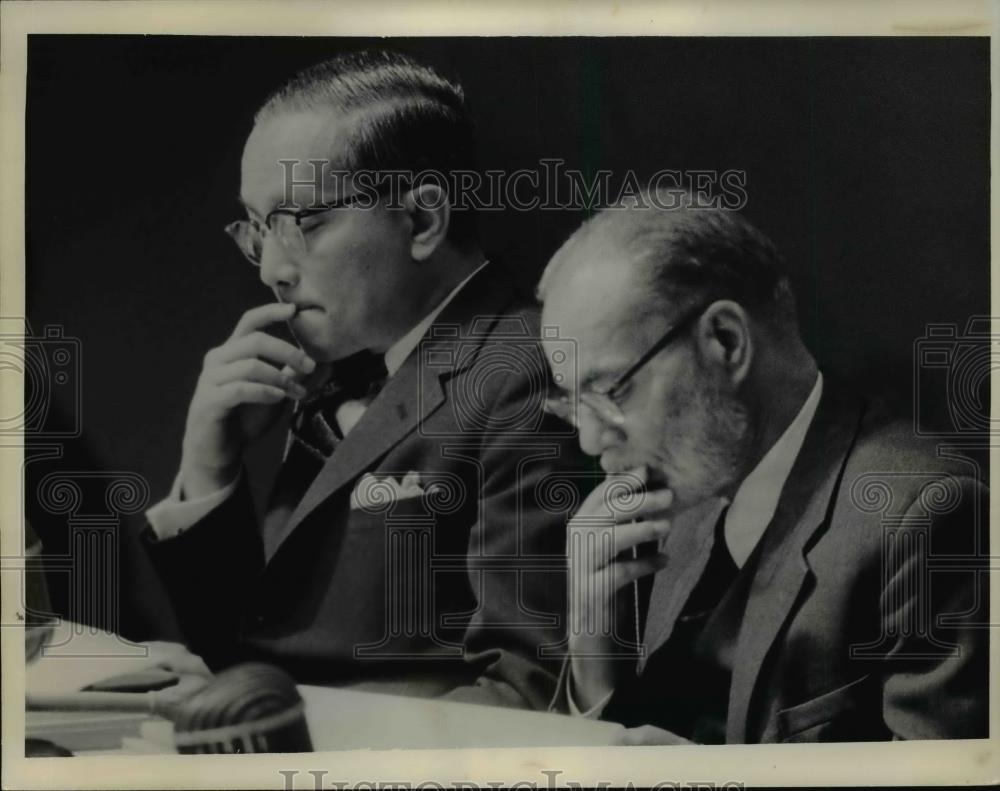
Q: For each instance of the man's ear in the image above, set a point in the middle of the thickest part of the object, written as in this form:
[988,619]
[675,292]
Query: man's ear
[430,213]
[724,337]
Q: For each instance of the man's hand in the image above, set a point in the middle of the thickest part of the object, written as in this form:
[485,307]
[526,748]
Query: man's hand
[602,530]
[100,658]
[238,397]
[175,657]
[647,735]
[194,673]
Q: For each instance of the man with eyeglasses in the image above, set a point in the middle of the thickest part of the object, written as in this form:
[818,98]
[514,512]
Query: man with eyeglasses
[402,548]
[769,558]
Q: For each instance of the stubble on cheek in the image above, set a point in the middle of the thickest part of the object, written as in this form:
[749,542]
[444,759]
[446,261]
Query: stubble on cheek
[703,444]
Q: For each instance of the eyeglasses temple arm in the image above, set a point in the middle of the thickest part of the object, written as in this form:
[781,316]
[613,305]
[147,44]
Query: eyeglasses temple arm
[657,347]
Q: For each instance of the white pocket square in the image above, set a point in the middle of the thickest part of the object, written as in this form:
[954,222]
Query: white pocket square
[373,493]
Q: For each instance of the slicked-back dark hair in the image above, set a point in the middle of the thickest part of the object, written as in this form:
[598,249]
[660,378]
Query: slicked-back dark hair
[402,116]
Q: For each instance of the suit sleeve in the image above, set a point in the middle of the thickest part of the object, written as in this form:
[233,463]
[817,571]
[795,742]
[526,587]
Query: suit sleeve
[208,572]
[934,601]
[172,516]
[522,597]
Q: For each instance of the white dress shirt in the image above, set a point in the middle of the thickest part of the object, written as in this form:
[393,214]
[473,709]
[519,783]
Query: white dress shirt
[754,503]
[757,498]
[174,515]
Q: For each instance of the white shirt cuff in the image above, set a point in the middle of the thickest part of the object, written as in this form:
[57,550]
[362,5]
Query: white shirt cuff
[594,711]
[172,516]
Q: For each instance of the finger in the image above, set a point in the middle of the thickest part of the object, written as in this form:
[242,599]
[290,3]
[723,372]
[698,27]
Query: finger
[644,505]
[313,380]
[236,393]
[628,571]
[186,664]
[623,484]
[265,347]
[604,499]
[630,534]
[263,316]
[254,370]
[599,545]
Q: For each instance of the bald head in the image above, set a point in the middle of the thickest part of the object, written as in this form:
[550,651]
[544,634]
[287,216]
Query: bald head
[675,258]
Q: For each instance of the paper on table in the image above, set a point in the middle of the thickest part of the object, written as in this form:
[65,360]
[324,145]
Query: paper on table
[77,656]
[343,719]
[339,719]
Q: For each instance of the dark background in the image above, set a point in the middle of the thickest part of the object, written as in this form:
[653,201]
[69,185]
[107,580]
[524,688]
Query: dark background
[866,161]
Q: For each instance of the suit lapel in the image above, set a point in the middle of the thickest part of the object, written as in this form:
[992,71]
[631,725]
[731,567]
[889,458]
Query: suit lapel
[412,394]
[687,550]
[782,567]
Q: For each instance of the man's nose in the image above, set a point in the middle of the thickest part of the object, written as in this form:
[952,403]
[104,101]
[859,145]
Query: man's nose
[277,269]
[596,435]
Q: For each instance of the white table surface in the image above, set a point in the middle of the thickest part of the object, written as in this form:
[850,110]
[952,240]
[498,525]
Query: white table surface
[345,719]
[338,718]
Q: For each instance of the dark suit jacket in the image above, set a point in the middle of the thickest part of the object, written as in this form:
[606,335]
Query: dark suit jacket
[866,616]
[454,589]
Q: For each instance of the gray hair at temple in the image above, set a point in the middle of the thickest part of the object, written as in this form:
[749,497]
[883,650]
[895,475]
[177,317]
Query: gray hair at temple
[687,254]
[403,117]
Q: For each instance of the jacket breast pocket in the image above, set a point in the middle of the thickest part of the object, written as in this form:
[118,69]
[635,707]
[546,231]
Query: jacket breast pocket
[820,718]
[402,510]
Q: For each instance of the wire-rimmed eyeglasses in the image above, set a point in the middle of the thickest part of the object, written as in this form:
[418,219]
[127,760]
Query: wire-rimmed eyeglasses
[605,400]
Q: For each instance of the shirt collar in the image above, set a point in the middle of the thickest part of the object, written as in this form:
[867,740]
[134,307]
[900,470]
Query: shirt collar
[396,354]
[757,498]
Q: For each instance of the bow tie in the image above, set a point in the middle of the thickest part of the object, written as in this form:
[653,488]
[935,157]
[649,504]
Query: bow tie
[356,378]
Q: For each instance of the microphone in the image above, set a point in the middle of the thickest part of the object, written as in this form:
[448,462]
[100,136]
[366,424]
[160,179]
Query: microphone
[249,708]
